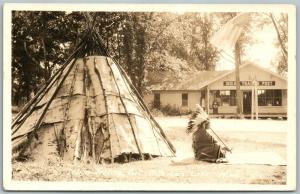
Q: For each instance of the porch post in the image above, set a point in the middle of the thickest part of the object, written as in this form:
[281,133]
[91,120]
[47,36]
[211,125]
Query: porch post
[256,100]
[252,100]
[207,100]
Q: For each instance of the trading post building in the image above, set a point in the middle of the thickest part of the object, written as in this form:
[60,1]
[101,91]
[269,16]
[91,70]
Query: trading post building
[263,91]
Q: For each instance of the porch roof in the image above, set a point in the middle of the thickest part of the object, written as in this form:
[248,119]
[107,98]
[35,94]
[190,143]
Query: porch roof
[196,82]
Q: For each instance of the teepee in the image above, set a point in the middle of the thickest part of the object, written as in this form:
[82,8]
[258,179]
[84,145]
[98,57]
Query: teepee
[88,110]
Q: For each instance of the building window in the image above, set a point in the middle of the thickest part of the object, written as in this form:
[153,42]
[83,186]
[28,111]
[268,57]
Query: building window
[225,97]
[185,99]
[232,101]
[277,98]
[157,100]
[261,97]
[269,97]
[228,97]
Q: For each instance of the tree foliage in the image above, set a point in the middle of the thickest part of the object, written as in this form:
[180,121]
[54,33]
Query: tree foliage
[150,46]
[40,41]
[143,43]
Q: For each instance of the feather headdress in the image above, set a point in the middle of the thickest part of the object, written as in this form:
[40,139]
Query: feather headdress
[197,118]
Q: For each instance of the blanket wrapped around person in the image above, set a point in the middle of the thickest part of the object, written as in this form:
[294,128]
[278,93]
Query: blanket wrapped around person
[205,146]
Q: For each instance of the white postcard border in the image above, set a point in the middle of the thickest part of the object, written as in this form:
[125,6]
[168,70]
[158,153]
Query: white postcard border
[9,184]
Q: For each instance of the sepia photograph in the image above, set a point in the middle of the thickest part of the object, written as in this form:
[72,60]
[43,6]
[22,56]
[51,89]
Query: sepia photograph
[149,97]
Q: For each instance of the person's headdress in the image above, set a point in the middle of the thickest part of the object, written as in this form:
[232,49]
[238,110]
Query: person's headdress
[197,118]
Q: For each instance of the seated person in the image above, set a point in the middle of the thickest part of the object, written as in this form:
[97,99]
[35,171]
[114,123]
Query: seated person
[205,146]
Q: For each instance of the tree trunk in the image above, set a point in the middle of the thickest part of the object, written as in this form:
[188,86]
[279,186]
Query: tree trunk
[205,40]
[127,52]
[283,49]
[237,79]
[119,49]
[46,62]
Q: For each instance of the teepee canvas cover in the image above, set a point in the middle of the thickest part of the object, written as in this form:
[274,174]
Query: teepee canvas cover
[88,109]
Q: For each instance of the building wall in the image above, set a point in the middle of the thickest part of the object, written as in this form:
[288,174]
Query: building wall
[174,98]
[225,110]
[194,98]
[272,109]
[284,98]
[171,98]
[148,99]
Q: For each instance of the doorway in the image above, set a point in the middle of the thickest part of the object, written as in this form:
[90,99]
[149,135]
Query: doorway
[247,101]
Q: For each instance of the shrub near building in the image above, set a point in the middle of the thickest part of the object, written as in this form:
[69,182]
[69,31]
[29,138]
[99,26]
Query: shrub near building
[170,110]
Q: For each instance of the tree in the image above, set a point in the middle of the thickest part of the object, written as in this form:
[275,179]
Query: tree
[142,43]
[202,53]
[281,27]
[237,53]
[40,41]
[134,47]
[279,22]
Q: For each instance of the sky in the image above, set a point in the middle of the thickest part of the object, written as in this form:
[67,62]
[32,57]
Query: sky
[262,52]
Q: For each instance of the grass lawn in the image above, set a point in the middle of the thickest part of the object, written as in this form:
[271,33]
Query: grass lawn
[161,170]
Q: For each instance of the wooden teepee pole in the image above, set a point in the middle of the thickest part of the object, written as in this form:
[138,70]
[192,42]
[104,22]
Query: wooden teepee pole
[141,108]
[37,100]
[102,46]
[106,105]
[126,111]
[40,94]
[146,108]
[98,39]
[38,123]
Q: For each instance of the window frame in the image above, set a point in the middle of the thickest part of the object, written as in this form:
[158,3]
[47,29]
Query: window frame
[228,96]
[156,103]
[269,97]
[184,102]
